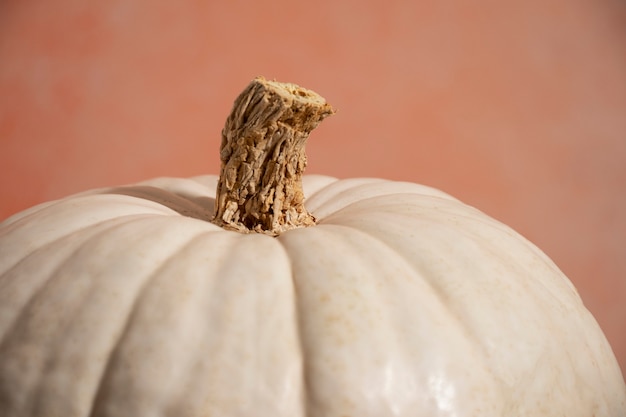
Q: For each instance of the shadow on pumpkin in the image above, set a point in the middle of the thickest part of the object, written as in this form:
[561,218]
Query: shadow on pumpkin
[195,206]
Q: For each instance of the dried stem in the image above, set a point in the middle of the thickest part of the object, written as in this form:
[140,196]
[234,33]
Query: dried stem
[263,158]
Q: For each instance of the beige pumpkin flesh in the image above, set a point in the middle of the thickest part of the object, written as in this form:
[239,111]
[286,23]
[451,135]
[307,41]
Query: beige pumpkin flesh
[399,301]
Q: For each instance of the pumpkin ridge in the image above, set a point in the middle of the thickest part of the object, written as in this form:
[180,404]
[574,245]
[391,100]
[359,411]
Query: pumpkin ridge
[118,220]
[101,227]
[109,363]
[25,310]
[476,217]
[362,204]
[26,214]
[314,183]
[472,215]
[329,192]
[345,193]
[17,230]
[68,318]
[538,290]
[372,307]
[297,308]
[508,403]
[420,274]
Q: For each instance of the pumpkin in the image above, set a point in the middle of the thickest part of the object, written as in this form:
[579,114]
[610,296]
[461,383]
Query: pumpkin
[263,292]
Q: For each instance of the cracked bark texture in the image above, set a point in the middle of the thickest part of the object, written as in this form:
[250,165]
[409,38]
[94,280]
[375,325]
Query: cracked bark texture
[263,158]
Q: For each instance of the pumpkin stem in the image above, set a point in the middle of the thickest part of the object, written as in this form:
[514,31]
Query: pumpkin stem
[262,153]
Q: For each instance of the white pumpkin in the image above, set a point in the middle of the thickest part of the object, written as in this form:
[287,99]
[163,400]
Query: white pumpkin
[399,301]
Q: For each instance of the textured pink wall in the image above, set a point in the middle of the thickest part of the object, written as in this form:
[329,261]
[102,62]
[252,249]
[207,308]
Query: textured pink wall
[518,108]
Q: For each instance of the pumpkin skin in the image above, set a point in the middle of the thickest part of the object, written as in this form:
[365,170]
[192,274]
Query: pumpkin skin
[401,301]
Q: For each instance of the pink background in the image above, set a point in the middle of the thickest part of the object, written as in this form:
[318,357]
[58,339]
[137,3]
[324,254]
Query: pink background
[518,108]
